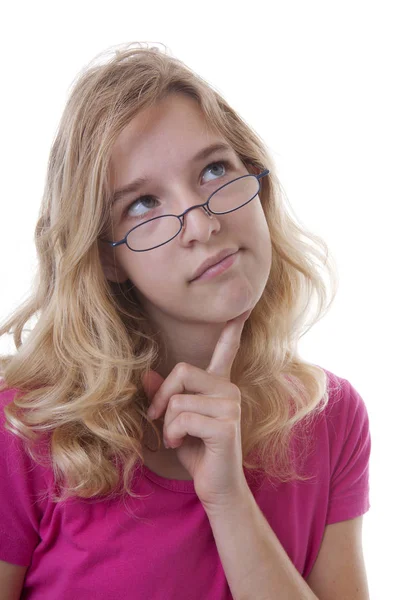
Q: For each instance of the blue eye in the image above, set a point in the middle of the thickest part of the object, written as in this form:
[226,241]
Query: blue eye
[212,165]
[149,201]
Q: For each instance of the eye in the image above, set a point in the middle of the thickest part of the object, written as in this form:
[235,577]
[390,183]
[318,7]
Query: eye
[151,203]
[212,165]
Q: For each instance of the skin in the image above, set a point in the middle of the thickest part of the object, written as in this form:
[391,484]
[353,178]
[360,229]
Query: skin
[190,316]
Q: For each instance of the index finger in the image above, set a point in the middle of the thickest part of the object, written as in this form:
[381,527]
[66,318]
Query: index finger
[227,347]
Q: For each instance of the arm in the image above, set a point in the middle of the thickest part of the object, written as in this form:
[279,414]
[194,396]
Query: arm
[11,580]
[254,561]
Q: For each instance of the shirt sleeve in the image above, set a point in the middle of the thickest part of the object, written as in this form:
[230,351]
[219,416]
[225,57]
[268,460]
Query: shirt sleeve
[350,443]
[20,504]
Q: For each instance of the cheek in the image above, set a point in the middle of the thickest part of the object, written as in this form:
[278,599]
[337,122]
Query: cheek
[151,276]
[259,221]
[252,226]
[258,237]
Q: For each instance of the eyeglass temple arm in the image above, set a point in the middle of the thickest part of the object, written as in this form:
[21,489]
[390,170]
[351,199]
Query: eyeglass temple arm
[263,173]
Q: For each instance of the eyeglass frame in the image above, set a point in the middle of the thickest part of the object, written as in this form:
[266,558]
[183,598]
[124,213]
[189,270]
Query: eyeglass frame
[204,205]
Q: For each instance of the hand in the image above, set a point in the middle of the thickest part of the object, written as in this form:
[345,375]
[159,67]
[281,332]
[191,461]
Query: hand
[207,406]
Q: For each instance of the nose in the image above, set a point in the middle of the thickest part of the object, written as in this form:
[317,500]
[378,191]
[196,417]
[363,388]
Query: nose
[198,223]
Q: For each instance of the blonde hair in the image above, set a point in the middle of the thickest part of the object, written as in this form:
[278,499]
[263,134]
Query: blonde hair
[77,373]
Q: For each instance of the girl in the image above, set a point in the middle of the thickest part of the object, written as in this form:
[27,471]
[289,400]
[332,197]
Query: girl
[173,279]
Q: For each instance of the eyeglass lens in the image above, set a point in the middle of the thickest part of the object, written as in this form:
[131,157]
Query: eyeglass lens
[160,230]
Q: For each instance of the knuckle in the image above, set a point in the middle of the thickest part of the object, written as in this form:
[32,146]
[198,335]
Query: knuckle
[185,418]
[181,368]
[236,390]
[234,410]
[236,393]
[175,402]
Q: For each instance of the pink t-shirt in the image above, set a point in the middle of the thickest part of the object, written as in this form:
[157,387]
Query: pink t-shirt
[86,548]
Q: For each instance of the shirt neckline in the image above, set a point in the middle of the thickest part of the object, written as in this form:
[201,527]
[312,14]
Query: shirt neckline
[176,485]
[187,485]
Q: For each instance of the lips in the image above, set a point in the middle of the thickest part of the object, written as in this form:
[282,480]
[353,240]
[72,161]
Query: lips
[213,260]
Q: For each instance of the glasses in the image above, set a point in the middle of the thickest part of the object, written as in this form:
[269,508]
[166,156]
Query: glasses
[160,230]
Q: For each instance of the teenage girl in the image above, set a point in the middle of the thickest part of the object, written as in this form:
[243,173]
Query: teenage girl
[161,436]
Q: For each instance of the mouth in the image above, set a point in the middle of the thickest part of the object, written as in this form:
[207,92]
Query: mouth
[212,260]
[218,268]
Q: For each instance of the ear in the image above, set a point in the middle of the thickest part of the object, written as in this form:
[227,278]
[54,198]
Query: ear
[111,267]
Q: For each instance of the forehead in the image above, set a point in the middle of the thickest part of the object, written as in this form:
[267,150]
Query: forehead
[174,122]
[164,135]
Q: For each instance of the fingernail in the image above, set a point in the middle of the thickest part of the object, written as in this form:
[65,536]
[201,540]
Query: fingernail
[165,443]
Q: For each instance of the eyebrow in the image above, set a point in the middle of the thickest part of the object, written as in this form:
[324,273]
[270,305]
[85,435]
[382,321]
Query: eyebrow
[133,186]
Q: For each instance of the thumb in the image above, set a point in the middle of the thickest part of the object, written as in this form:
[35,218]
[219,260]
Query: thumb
[151,382]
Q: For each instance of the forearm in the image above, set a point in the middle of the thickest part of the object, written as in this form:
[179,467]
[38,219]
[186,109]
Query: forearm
[255,563]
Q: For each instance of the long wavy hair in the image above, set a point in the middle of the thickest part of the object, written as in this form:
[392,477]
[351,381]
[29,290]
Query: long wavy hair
[77,372]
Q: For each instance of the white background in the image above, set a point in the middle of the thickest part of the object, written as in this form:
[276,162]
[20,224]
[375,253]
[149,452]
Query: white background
[319,82]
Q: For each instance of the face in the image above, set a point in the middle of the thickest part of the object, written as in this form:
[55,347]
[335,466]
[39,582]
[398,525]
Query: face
[159,144]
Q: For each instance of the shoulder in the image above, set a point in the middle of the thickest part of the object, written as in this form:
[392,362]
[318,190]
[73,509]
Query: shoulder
[6,436]
[348,450]
[7,395]
[346,409]
[24,492]
[16,463]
